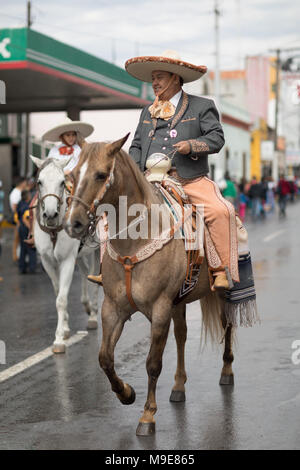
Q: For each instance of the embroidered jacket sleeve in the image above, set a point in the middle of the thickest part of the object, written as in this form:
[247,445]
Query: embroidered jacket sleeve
[212,136]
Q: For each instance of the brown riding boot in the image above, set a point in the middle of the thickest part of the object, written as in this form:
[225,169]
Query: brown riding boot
[95,279]
[221,281]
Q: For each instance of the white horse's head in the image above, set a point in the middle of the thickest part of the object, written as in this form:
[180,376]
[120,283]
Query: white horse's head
[51,185]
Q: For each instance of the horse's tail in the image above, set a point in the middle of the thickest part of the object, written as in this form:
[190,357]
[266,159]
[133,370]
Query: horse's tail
[212,328]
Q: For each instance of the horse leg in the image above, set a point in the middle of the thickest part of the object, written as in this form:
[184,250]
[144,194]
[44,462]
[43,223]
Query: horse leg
[160,324]
[51,270]
[66,270]
[112,327]
[82,264]
[90,309]
[94,291]
[180,331]
[227,377]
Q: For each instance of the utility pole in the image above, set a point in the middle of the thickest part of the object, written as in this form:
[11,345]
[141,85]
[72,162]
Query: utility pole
[29,21]
[217,168]
[26,166]
[277,89]
[217,52]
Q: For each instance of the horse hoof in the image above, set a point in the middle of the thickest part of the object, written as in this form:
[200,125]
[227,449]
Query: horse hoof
[226,380]
[59,348]
[145,429]
[177,396]
[128,400]
[92,325]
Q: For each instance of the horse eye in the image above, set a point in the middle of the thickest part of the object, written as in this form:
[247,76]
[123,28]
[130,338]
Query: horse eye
[39,182]
[100,176]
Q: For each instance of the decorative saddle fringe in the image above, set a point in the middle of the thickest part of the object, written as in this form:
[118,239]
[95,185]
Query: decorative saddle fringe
[242,314]
[240,301]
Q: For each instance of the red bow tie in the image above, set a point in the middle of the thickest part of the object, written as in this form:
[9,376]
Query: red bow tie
[66,150]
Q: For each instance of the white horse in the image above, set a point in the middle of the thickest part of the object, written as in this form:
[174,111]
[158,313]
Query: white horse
[58,251]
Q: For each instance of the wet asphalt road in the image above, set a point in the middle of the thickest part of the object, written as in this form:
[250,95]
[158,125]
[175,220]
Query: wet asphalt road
[65,401]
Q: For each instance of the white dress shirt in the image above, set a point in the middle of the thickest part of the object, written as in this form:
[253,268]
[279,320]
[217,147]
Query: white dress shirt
[54,153]
[176,98]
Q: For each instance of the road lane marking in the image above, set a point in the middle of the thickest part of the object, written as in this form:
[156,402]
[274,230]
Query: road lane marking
[273,235]
[38,357]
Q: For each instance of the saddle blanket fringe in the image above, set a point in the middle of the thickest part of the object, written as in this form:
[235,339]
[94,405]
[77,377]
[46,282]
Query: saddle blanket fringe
[240,301]
[194,257]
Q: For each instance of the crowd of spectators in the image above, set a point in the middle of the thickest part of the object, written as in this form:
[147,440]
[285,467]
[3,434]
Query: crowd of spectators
[19,199]
[256,198]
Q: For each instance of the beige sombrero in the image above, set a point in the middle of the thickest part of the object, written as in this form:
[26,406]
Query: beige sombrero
[53,135]
[142,67]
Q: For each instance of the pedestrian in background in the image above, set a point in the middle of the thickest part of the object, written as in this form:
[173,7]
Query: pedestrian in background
[282,190]
[229,192]
[243,199]
[14,199]
[256,194]
[26,250]
[270,202]
[293,188]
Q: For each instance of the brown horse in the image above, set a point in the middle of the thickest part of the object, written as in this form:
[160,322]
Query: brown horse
[103,174]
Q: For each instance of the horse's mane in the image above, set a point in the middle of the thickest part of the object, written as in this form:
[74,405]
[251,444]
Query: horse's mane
[144,186]
[45,163]
[123,159]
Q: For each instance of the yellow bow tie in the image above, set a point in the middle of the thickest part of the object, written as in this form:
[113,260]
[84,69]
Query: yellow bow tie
[163,110]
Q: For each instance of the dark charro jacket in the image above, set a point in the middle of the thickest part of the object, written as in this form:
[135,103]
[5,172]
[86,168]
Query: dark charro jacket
[196,120]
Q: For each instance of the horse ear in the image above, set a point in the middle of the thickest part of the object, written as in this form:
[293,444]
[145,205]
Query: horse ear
[116,146]
[37,161]
[80,140]
[62,162]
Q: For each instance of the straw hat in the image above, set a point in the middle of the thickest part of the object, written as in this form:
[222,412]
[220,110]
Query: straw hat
[169,61]
[53,135]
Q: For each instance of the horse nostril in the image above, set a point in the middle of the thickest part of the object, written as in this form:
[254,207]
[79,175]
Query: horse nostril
[55,214]
[44,215]
[77,224]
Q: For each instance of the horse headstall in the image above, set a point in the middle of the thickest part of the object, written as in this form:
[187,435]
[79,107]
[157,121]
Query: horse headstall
[92,209]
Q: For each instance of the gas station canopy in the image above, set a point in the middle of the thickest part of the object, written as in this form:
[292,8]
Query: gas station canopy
[42,74]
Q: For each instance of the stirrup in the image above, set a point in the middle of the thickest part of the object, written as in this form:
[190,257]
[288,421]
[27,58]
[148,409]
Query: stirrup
[95,279]
[221,281]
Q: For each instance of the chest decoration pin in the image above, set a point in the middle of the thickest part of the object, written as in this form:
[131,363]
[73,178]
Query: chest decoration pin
[173,133]
[151,133]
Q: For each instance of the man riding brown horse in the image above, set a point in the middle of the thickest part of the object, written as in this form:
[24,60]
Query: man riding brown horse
[189,127]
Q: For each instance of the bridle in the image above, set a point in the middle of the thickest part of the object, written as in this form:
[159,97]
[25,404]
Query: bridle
[51,231]
[92,208]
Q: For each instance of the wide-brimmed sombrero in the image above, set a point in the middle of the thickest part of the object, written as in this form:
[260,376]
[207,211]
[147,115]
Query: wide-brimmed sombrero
[169,61]
[53,135]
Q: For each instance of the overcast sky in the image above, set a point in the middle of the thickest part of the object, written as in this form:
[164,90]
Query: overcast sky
[116,30]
